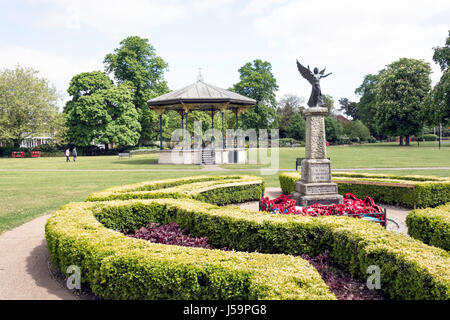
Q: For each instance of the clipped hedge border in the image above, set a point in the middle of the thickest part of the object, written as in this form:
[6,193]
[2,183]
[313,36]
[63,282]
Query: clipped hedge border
[119,267]
[220,190]
[410,269]
[409,191]
[431,225]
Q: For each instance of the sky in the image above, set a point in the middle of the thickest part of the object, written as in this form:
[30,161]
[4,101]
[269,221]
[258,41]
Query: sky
[61,38]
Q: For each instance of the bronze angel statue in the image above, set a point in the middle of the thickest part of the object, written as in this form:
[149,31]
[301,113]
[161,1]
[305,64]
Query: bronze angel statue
[313,77]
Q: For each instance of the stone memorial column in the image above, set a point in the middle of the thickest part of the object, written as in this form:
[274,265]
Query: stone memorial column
[315,185]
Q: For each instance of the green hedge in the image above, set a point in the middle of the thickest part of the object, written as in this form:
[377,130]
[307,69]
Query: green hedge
[427,191]
[82,234]
[219,190]
[431,225]
[118,267]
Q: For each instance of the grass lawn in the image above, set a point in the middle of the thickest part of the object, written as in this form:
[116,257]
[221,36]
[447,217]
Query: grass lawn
[147,161]
[25,195]
[373,155]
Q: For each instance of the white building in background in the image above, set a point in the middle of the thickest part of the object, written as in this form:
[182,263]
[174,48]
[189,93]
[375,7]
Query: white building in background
[32,142]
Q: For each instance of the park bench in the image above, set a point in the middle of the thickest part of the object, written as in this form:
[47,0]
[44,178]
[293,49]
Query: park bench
[298,163]
[124,155]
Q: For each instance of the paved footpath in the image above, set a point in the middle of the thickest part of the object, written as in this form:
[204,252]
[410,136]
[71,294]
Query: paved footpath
[24,259]
[24,271]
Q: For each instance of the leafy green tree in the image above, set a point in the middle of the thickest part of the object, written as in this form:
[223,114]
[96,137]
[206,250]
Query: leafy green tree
[367,107]
[333,129]
[401,93]
[258,82]
[28,105]
[349,108]
[442,54]
[328,103]
[136,61]
[297,127]
[288,106]
[100,112]
[356,131]
[438,110]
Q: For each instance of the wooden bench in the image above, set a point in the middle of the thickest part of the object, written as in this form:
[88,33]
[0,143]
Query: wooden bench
[124,155]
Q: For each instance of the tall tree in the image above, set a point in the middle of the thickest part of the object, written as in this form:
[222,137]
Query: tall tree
[288,106]
[401,93]
[258,82]
[28,105]
[333,129]
[135,61]
[367,107]
[328,103]
[349,108]
[442,54]
[297,127]
[438,110]
[100,112]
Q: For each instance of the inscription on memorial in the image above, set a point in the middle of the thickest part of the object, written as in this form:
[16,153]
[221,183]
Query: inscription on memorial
[321,189]
[320,172]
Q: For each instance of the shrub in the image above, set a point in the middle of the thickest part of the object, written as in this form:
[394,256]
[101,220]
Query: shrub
[219,190]
[410,191]
[430,137]
[119,267]
[431,225]
[410,269]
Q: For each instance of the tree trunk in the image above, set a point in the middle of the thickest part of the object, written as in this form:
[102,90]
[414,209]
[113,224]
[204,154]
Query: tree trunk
[401,140]
[407,140]
[106,147]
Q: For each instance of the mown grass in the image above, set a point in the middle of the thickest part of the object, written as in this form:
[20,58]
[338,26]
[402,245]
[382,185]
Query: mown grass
[376,155]
[147,161]
[25,195]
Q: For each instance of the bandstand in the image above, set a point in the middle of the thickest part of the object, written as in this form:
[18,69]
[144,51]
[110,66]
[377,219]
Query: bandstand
[201,96]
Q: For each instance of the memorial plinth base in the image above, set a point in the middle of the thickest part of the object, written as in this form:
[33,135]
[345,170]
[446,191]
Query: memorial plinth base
[315,185]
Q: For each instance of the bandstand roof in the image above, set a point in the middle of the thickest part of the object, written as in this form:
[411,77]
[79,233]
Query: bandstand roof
[201,96]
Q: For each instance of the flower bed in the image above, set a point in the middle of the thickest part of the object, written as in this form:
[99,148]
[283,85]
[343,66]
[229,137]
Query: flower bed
[115,266]
[119,267]
[351,206]
[409,191]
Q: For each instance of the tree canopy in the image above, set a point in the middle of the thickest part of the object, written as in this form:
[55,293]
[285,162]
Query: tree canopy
[135,61]
[349,108]
[28,105]
[401,92]
[367,107]
[101,112]
[288,106]
[442,54]
[258,82]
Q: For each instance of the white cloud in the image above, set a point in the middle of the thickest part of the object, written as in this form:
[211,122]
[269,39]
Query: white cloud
[112,17]
[352,38]
[57,69]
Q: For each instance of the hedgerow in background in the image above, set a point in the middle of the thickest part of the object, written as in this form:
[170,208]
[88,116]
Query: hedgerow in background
[410,191]
[431,225]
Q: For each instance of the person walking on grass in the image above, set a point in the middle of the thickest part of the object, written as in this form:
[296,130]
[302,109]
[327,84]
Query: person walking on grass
[67,155]
[74,153]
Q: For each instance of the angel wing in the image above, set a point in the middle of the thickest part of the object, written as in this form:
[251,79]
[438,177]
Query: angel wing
[305,72]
